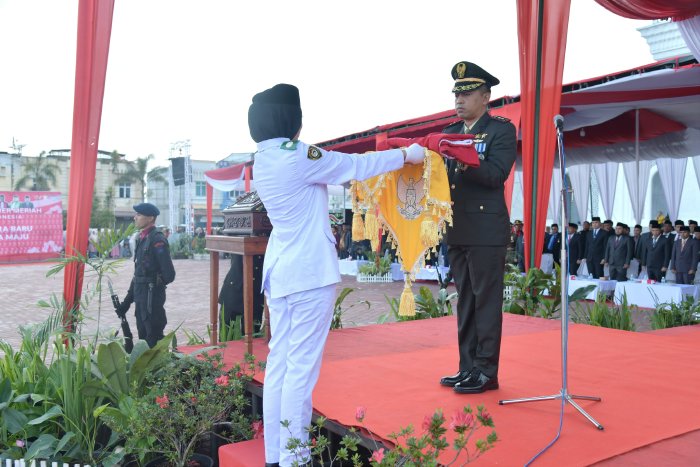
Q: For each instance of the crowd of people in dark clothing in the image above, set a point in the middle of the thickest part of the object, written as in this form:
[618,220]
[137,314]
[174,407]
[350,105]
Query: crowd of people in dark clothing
[666,246]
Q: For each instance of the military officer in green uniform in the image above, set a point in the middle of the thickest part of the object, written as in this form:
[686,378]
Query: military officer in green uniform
[479,235]
[153,270]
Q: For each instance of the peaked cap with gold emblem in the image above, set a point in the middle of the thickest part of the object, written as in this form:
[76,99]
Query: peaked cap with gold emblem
[469,76]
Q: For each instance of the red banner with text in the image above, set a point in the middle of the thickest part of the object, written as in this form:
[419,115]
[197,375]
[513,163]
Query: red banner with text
[31,226]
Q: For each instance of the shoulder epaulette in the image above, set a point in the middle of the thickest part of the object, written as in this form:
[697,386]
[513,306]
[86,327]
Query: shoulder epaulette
[289,145]
[455,125]
[500,119]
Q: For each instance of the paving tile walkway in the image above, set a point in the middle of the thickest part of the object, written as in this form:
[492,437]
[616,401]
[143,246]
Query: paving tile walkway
[24,285]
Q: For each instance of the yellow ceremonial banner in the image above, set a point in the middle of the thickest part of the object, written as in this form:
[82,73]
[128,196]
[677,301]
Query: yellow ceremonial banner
[413,206]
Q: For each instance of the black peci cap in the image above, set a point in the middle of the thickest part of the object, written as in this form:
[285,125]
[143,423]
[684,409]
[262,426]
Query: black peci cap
[275,113]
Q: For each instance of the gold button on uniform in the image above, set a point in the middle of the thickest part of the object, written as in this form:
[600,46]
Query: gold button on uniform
[452,186]
[481,208]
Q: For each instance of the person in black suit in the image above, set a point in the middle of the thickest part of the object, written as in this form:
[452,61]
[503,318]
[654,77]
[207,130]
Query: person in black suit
[637,247]
[477,261]
[575,249]
[231,294]
[684,257]
[594,250]
[553,244]
[668,230]
[658,253]
[618,254]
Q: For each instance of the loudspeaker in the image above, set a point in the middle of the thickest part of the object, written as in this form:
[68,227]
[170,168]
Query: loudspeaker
[178,170]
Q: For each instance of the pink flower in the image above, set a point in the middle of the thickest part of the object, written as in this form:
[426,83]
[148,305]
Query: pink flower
[461,421]
[377,456]
[360,414]
[313,442]
[19,443]
[222,380]
[239,374]
[427,422]
[258,429]
[163,402]
[194,400]
[485,416]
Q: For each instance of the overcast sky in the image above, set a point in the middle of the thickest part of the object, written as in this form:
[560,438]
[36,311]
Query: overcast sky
[188,69]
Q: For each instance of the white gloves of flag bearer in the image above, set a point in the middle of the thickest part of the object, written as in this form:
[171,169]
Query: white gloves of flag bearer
[414,154]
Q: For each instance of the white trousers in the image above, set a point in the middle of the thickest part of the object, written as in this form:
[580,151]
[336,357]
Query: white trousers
[299,324]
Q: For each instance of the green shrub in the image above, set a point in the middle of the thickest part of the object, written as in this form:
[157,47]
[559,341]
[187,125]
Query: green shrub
[605,315]
[669,315]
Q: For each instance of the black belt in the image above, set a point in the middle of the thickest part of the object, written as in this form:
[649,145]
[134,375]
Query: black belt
[145,280]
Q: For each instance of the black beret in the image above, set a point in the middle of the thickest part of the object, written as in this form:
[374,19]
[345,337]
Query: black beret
[573,225]
[667,222]
[685,228]
[679,222]
[470,76]
[620,224]
[692,222]
[608,221]
[275,113]
[595,218]
[654,224]
[147,209]
[638,227]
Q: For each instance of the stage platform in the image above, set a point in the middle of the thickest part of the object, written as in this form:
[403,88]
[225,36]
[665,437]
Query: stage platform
[649,383]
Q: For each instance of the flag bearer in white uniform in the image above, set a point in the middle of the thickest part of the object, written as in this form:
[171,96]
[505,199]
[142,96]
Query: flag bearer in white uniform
[300,272]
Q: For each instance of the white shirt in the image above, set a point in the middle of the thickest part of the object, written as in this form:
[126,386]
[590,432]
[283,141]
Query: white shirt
[291,180]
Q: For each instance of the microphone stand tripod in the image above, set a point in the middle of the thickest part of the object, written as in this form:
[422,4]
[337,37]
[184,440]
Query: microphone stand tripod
[564,392]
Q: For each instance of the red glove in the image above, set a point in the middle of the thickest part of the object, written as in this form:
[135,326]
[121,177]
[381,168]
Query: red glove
[448,145]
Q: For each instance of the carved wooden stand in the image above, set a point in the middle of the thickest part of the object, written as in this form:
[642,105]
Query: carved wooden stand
[247,247]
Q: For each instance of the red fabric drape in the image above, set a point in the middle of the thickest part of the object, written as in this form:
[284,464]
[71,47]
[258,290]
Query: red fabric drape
[210,198]
[511,111]
[542,29]
[653,9]
[94,30]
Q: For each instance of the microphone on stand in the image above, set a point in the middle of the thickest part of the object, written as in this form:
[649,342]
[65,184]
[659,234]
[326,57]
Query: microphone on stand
[559,122]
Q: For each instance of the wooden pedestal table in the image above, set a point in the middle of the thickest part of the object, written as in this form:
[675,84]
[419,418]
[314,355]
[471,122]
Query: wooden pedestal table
[247,247]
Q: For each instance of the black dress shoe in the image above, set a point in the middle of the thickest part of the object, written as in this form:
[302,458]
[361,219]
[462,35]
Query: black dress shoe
[454,379]
[272,464]
[476,383]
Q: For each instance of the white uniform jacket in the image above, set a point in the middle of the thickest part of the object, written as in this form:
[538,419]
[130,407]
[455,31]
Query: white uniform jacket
[291,179]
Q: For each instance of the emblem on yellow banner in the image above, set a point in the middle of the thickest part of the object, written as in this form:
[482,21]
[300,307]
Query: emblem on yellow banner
[410,194]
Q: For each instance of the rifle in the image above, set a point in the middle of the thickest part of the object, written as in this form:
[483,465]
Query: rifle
[126,330]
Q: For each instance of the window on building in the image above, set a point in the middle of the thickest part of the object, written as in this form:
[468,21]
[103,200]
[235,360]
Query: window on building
[200,189]
[125,190]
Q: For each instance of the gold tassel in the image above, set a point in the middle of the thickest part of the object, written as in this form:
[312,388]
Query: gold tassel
[428,233]
[372,228]
[407,305]
[358,227]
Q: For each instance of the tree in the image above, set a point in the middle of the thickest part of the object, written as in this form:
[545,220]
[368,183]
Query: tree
[39,172]
[137,172]
[102,215]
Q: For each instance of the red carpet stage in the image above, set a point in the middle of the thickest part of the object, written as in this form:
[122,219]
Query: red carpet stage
[649,383]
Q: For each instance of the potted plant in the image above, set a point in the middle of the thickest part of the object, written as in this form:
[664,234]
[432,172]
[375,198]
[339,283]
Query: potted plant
[187,399]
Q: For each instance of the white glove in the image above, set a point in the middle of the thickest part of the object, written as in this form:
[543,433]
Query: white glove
[415,154]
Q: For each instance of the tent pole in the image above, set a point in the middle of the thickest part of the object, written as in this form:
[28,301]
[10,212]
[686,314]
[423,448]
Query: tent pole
[636,159]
